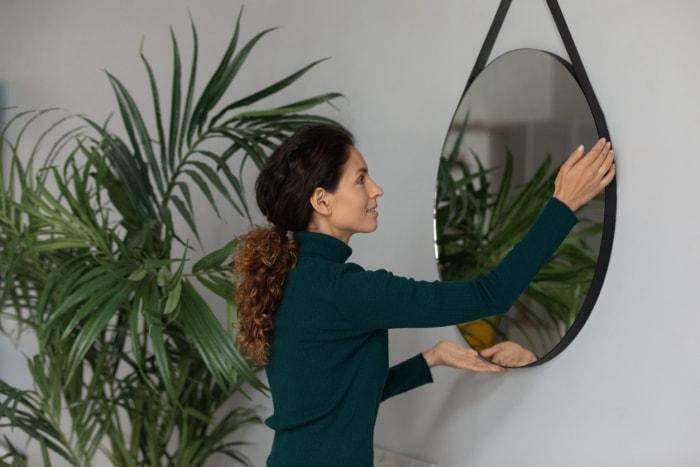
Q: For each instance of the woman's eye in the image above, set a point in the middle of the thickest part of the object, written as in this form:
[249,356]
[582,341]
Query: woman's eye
[361,180]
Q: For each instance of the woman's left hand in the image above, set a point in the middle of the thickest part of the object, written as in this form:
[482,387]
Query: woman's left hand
[447,353]
[509,353]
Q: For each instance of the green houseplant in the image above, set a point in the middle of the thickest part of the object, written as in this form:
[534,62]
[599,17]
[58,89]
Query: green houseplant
[132,362]
[478,220]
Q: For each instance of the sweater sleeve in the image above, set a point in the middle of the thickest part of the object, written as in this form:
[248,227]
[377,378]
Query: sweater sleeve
[381,300]
[407,375]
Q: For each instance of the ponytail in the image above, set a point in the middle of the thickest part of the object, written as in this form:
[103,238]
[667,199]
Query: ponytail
[263,259]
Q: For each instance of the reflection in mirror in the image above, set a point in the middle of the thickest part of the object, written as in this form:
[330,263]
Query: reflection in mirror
[517,122]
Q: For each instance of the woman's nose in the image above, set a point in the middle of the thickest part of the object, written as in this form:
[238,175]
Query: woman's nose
[377,190]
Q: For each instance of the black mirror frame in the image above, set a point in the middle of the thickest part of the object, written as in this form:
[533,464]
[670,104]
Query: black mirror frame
[610,208]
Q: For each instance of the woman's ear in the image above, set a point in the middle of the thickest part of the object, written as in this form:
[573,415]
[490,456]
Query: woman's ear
[319,201]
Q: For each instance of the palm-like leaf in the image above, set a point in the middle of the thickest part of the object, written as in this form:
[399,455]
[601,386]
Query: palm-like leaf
[87,265]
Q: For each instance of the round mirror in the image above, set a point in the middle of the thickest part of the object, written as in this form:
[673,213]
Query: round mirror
[517,122]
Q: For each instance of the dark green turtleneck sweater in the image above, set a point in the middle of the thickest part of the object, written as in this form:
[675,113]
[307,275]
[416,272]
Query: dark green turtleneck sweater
[328,369]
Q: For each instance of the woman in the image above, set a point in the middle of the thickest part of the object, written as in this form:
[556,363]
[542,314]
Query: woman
[319,324]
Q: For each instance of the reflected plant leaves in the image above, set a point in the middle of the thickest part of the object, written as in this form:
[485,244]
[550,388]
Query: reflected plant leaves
[517,122]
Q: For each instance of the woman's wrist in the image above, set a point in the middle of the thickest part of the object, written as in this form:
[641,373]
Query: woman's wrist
[568,203]
[430,357]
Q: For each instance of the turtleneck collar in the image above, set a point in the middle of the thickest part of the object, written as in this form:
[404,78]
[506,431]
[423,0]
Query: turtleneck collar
[326,246]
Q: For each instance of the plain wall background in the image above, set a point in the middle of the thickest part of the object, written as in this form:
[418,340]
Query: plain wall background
[625,392]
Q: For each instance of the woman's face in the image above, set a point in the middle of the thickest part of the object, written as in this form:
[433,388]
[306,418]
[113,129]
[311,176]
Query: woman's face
[353,205]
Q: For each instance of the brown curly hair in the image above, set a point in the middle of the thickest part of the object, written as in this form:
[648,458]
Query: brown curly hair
[313,157]
[263,259]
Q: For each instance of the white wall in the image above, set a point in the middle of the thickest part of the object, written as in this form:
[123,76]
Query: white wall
[625,393]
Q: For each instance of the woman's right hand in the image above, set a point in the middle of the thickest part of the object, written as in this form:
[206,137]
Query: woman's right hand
[581,177]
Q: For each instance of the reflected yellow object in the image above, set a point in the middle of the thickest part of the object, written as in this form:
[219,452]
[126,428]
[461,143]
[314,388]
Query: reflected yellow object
[480,334]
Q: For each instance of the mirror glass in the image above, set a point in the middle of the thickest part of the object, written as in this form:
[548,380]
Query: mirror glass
[517,122]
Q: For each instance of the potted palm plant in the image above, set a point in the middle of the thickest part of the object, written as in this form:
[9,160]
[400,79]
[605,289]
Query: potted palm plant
[99,239]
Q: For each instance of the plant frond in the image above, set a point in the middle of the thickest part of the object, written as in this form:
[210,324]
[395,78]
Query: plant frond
[132,360]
